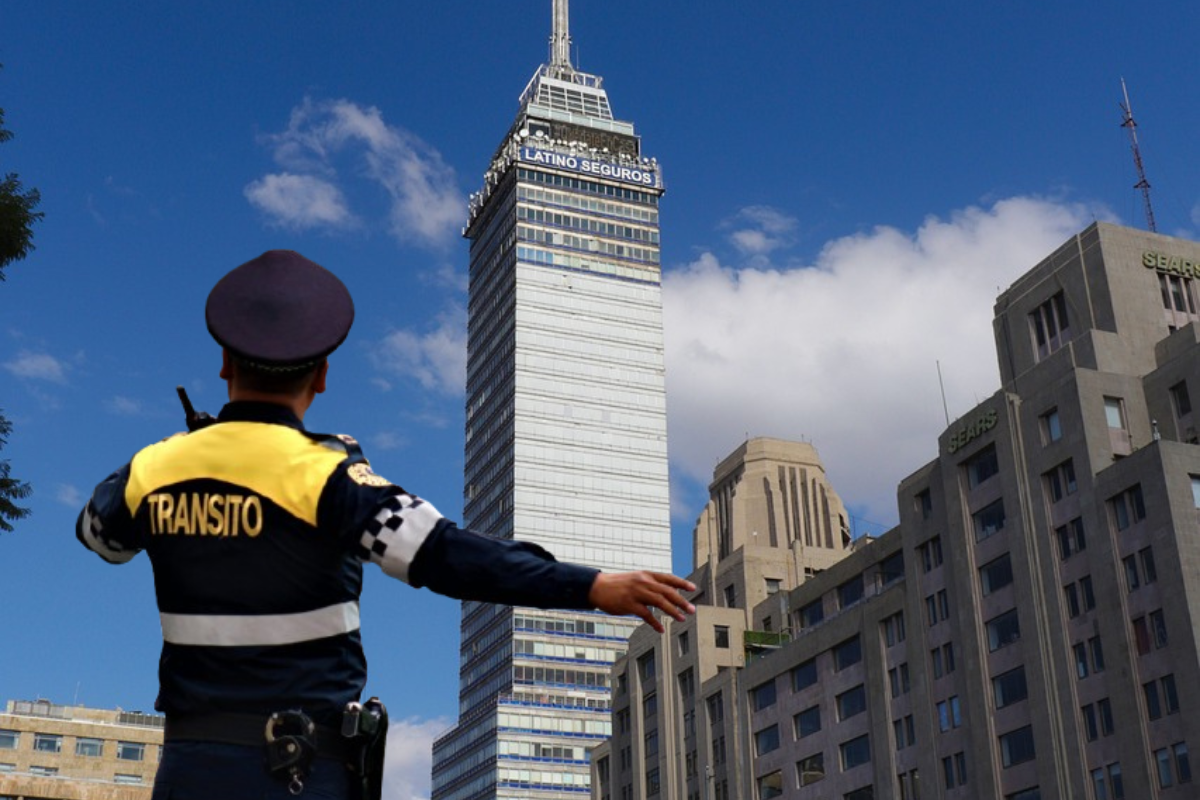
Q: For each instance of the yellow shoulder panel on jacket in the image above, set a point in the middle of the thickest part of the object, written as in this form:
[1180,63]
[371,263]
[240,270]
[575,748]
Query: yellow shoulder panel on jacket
[274,461]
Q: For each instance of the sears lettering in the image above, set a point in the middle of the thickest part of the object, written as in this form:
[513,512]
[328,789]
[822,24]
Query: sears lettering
[1173,265]
[981,425]
[202,514]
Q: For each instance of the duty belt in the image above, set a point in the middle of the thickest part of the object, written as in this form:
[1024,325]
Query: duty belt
[248,729]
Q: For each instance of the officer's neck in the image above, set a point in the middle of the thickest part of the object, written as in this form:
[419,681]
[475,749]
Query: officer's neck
[298,403]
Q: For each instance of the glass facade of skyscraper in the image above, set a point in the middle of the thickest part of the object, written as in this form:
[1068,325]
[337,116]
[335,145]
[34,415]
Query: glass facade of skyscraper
[566,441]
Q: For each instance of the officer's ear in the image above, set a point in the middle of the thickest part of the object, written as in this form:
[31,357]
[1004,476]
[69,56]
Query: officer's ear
[226,365]
[318,384]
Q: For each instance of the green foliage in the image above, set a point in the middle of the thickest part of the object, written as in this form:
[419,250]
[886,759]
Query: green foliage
[11,489]
[17,213]
[17,216]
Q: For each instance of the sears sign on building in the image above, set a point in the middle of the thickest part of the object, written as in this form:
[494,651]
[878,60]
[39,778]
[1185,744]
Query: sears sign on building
[640,176]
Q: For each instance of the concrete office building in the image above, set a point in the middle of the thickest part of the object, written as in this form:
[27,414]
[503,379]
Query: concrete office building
[48,751]
[565,424]
[1029,629]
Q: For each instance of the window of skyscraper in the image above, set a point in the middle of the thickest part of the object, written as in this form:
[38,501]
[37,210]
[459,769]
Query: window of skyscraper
[766,740]
[646,669]
[770,785]
[1128,507]
[1116,781]
[9,739]
[1016,746]
[924,503]
[763,695]
[1003,630]
[893,629]
[851,591]
[1158,627]
[898,679]
[954,770]
[1114,413]
[1049,325]
[1181,401]
[1009,687]
[1177,293]
[808,722]
[852,702]
[931,554]
[855,752]
[804,675]
[982,466]
[1060,481]
[1032,793]
[1071,538]
[949,713]
[721,636]
[1051,426]
[989,519]
[811,614]
[847,654]
[811,769]
[996,574]
[891,569]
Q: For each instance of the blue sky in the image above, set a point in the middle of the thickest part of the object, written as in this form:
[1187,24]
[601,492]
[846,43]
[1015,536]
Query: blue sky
[849,186]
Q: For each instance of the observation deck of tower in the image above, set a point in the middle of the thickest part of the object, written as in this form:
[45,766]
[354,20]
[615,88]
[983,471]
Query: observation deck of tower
[566,438]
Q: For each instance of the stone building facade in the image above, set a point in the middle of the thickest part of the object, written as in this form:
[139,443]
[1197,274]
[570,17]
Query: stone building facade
[1029,628]
[55,752]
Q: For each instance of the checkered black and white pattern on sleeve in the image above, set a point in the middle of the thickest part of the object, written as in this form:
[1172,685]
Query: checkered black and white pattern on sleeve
[399,528]
[91,531]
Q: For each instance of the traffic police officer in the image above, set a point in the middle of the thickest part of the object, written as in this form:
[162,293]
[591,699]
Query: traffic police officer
[257,531]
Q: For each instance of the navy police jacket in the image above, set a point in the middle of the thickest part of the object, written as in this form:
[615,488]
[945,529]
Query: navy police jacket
[257,532]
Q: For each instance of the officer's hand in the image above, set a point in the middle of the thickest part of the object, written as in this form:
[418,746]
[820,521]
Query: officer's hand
[637,593]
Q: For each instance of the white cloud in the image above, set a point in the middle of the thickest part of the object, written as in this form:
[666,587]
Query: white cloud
[425,204]
[758,230]
[437,359]
[388,440]
[409,759]
[844,352]
[299,201]
[125,406]
[37,366]
[68,495]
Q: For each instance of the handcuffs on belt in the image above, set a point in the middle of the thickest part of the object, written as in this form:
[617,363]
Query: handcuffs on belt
[292,746]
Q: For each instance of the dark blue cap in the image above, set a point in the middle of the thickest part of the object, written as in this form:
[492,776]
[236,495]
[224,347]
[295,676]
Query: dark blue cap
[280,312]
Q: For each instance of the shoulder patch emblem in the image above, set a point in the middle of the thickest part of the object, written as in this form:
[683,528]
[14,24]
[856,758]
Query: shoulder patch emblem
[363,475]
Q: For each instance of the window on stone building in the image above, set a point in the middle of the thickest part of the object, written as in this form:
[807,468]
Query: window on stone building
[855,752]
[1017,747]
[1051,426]
[996,574]
[1050,326]
[88,747]
[811,769]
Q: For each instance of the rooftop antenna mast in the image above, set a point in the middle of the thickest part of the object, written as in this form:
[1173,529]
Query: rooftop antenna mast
[560,41]
[1142,183]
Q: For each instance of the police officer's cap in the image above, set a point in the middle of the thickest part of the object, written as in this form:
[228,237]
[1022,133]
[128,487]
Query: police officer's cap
[280,312]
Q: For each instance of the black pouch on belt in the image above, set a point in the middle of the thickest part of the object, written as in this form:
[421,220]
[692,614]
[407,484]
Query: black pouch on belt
[366,724]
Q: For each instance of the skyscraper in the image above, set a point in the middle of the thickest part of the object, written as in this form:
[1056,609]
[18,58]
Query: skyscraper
[565,424]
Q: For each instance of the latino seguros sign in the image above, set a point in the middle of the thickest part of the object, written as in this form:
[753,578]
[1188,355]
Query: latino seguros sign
[640,176]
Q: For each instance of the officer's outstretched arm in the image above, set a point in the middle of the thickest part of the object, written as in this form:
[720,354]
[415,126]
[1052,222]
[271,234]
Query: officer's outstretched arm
[639,593]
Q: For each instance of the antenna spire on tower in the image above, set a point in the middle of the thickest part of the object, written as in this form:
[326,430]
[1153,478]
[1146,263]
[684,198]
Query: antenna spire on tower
[560,39]
[1142,184]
